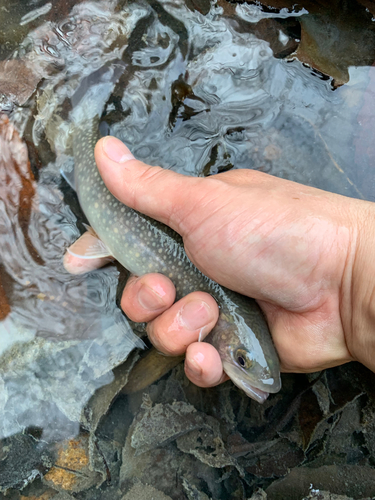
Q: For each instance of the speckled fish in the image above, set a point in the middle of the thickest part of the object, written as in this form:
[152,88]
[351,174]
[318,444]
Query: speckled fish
[143,245]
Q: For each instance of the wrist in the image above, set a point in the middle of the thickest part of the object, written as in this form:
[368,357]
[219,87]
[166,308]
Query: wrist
[358,310]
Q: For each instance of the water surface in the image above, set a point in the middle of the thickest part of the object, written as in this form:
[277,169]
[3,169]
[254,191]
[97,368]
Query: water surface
[209,87]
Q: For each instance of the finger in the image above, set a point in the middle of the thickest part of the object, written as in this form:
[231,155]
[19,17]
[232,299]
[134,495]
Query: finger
[203,365]
[186,321]
[145,298]
[141,187]
[79,265]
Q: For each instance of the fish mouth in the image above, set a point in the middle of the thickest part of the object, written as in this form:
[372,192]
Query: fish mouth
[243,381]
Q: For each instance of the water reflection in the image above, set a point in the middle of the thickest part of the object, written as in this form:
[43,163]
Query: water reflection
[59,336]
[241,104]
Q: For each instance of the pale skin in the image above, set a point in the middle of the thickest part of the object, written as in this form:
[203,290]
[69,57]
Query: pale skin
[304,254]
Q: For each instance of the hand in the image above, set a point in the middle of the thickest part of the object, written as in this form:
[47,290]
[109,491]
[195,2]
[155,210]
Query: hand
[304,254]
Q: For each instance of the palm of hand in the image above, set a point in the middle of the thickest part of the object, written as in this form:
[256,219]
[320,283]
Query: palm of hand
[284,244]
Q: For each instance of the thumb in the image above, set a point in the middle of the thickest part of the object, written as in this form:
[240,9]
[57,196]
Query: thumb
[161,194]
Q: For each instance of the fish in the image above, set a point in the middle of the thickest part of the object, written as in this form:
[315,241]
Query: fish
[143,245]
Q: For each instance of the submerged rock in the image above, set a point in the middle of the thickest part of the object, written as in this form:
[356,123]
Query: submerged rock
[18,81]
[145,492]
[353,480]
[325,495]
[150,453]
[332,41]
[71,471]
[23,458]
[161,424]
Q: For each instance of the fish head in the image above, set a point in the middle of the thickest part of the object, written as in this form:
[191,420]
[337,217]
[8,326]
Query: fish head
[249,359]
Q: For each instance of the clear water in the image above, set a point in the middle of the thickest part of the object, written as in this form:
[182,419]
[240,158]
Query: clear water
[209,88]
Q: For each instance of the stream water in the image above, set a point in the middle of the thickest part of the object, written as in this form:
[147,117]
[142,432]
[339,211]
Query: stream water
[285,89]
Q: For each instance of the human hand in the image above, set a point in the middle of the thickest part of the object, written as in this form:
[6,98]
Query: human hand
[301,252]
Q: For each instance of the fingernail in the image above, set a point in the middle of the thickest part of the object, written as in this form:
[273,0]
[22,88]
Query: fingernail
[116,150]
[149,298]
[195,315]
[194,365]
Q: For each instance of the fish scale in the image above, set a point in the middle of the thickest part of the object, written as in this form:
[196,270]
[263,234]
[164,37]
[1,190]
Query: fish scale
[143,245]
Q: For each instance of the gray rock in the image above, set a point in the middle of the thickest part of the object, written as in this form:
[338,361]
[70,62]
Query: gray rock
[145,492]
[352,480]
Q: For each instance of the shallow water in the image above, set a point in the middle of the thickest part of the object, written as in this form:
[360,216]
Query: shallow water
[208,88]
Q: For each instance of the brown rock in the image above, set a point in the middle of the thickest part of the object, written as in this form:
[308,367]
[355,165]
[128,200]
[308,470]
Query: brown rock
[17,80]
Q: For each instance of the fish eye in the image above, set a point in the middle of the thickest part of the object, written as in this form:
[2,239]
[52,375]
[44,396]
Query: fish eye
[243,359]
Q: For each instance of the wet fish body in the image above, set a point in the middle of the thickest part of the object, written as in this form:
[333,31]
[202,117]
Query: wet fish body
[143,245]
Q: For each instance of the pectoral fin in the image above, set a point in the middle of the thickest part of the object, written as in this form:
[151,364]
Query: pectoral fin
[89,246]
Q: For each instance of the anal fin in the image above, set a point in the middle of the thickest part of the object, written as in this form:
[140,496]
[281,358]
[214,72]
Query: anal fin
[67,172]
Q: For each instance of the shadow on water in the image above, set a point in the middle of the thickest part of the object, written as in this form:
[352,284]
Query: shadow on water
[286,89]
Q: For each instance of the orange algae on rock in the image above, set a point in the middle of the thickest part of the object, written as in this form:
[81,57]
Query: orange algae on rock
[72,458]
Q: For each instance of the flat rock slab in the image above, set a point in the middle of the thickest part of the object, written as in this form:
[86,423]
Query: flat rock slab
[145,492]
[352,480]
